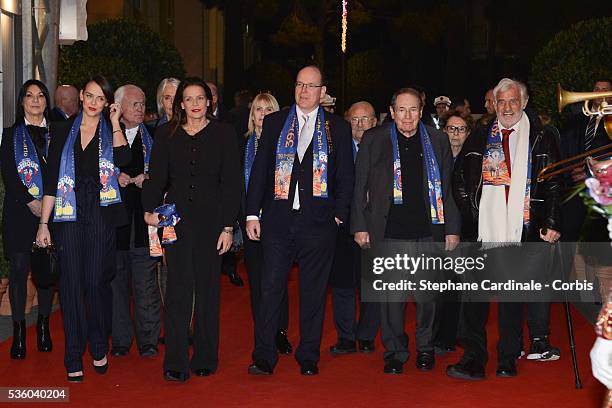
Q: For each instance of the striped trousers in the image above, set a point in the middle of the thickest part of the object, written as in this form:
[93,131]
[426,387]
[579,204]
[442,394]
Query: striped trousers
[86,250]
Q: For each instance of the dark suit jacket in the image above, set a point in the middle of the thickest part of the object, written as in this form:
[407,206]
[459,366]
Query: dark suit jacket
[19,225]
[201,175]
[340,175]
[57,115]
[131,197]
[374,184]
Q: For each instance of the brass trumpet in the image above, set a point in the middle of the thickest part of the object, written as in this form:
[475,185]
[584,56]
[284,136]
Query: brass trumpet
[565,98]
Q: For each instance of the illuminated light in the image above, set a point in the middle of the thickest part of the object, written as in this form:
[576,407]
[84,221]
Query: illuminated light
[344,26]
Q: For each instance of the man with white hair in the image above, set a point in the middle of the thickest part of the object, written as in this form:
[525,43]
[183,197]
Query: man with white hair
[135,268]
[504,208]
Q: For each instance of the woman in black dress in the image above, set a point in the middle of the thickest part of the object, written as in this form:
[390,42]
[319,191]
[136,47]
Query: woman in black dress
[23,155]
[194,159]
[83,202]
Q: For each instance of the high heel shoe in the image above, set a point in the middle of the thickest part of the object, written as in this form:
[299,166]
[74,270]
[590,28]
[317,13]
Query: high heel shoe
[43,339]
[18,348]
[103,368]
[75,378]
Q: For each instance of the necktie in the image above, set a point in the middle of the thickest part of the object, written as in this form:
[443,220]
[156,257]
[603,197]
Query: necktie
[303,139]
[589,135]
[506,147]
[303,142]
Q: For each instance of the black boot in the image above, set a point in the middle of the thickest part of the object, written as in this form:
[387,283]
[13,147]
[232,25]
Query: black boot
[18,349]
[43,333]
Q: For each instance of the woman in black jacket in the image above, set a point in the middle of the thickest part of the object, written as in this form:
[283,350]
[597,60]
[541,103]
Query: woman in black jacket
[23,156]
[82,200]
[194,159]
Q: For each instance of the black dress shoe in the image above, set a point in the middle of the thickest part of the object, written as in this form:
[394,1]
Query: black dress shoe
[506,368]
[343,346]
[260,367]
[394,367]
[148,350]
[282,343]
[120,351]
[466,369]
[235,279]
[425,360]
[101,369]
[309,368]
[18,348]
[203,372]
[366,346]
[171,375]
[43,334]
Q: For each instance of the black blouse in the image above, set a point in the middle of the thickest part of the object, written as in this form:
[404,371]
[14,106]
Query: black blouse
[86,165]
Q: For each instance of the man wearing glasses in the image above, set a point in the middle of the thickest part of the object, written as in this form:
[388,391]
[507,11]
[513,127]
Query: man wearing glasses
[346,275]
[302,183]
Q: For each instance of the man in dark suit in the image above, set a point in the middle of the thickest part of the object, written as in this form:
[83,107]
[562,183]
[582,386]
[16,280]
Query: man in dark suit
[135,267]
[381,213]
[66,100]
[302,182]
[345,277]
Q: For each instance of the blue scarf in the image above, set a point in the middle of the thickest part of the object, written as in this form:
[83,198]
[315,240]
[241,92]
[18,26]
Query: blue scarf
[163,119]
[65,198]
[147,145]
[434,184]
[27,162]
[249,157]
[287,148]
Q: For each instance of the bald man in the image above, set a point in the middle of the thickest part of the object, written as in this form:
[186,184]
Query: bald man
[66,103]
[345,276]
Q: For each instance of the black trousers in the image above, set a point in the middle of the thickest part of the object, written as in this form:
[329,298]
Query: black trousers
[136,274]
[254,261]
[18,279]
[345,281]
[87,260]
[312,246]
[344,301]
[228,263]
[474,335]
[193,266]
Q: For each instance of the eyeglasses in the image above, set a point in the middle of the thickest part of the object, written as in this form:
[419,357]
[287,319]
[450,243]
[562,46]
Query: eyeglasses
[302,85]
[363,119]
[457,129]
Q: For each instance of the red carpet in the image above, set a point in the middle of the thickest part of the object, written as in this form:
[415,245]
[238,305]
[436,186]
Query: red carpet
[350,381]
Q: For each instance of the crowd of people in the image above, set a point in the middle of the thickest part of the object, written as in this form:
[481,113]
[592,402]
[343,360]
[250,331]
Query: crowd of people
[304,186]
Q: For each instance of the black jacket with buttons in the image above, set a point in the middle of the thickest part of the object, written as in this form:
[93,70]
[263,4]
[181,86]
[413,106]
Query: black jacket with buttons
[201,175]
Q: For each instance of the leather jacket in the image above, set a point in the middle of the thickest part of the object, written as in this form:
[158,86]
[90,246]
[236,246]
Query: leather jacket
[545,196]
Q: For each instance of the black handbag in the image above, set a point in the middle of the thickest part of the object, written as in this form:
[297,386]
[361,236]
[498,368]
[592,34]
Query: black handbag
[44,265]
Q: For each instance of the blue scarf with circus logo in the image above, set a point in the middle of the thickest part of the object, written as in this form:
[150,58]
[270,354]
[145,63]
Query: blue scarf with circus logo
[147,145]
[27,162]
[287,148]
[65,197]
[434,183]
[249,157]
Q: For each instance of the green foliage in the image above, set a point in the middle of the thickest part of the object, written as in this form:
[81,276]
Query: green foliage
[4,265]
[124,52]
[366,74]
[575,58]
